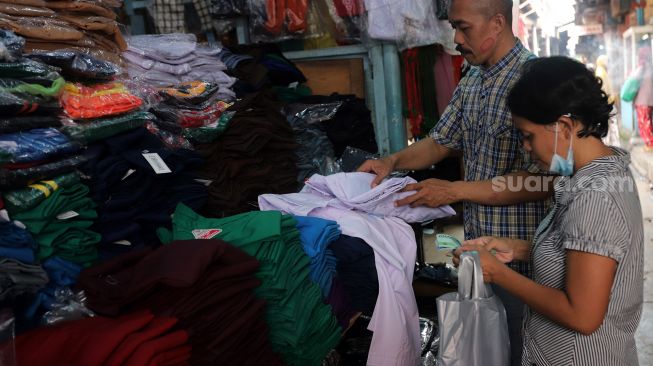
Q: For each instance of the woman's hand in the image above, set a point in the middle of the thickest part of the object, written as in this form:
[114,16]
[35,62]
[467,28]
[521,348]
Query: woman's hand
[492,267]
[503,248]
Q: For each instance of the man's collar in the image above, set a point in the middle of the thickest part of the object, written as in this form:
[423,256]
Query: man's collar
[506,60]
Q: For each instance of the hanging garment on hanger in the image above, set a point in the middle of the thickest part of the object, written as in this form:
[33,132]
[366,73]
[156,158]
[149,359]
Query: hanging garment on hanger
[277,11]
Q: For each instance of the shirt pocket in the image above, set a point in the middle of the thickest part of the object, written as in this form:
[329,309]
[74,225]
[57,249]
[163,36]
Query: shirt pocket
[500,147]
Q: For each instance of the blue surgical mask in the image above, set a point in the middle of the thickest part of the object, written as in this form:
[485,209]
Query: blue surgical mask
[558,164]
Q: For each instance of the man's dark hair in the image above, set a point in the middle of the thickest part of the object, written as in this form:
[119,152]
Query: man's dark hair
[494,7]
[551,87]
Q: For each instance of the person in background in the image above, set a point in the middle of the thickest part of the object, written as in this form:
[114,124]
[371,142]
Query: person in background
[585,298]
[601,72]
[644,99]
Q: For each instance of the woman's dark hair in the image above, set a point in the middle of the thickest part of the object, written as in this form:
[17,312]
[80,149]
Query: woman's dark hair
[554,86]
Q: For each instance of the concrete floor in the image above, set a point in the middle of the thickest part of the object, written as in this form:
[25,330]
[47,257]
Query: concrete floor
[643,169]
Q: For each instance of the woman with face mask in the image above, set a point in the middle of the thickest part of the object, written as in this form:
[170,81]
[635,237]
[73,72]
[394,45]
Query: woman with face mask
[585,298]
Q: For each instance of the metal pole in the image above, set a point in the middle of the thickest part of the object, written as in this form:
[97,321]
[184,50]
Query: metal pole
[395,120]
[380,106]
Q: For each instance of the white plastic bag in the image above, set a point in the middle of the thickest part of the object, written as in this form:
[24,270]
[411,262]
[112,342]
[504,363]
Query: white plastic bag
[473,324]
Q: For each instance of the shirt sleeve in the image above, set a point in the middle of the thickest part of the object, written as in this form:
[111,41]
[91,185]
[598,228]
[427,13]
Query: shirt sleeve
[594,224]
[448,131]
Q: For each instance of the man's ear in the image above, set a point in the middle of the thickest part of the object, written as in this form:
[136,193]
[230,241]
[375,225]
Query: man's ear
[499,23]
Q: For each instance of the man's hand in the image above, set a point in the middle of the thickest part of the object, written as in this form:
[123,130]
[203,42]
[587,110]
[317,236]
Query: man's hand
[381,167]
[431,192]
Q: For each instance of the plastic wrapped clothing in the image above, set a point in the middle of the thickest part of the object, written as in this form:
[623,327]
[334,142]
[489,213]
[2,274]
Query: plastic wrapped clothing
[209,133]
[36,145]
[102,100]
[100,129]
[314,146]
[11,46]
[134,339]
[277,12]
[228,8]
[29,71]
[27,198]
[78,65]
[19,87]
[61,225]
[199,116]
[19,178]
[170,59]
[173,140]
[190,93]
[17,278]
[13,104]
[63,274]
[350,126]
[302,327]
[208,284]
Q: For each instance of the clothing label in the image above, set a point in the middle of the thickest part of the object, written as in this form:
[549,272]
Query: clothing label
[206,233]
[129,172]
[122,242]
[157,163]
[67,215]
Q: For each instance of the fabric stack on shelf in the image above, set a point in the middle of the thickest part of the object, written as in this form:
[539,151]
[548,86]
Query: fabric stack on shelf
[86,26]
[169,59]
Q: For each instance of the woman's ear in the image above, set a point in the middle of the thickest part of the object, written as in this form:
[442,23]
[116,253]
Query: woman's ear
[567,125]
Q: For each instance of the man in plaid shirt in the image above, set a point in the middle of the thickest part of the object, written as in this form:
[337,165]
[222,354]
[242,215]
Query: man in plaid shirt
[478,123]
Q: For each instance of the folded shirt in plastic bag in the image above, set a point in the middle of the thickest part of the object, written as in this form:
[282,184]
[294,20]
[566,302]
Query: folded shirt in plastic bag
[187,117]
[102,100]
[26,123]
[29,71]
[190,93]
[18,87]
[27,198]
[77,65]
[19,178]
[36,145]
[100,129]
[11,46]
[25,104]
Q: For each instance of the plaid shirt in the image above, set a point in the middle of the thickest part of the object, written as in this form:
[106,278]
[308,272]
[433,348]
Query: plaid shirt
[478,122]
[169,15]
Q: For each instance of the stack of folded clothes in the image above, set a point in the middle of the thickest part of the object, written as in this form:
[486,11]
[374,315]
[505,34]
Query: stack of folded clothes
[138,338]
[31,148]
[169,59]
[209,285]
[137,182]
[194,110]
[87,26]
[253,156]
